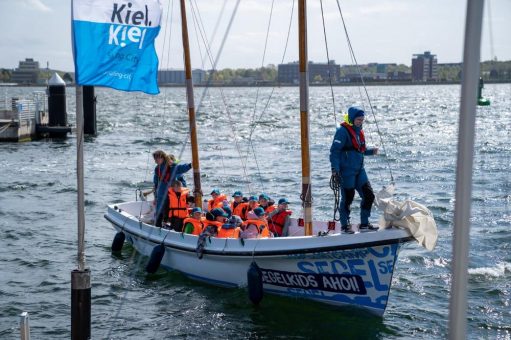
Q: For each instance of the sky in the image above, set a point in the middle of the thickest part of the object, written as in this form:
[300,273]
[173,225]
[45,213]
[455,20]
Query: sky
[383,31]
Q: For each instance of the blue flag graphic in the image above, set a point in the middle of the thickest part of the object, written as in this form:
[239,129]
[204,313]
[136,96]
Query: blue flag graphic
[113,43]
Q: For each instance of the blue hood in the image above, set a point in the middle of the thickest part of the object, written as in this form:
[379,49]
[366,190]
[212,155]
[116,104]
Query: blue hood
[354,112]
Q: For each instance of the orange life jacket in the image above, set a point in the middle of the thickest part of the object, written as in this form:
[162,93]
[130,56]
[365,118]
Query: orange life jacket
[228,232]
[268,209]
[276,222]
[177,207]
[217,202]
[207,223]
[245,216]
[262,227]
[356,146]
[197,225]
[240,209]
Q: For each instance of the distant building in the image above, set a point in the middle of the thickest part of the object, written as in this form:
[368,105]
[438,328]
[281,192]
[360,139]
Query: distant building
[424,67]
[177,77]
[399,75]
[318,72]
[26,73]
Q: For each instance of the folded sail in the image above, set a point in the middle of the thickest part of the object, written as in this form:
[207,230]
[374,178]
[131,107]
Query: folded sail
[408,215]
[113,43]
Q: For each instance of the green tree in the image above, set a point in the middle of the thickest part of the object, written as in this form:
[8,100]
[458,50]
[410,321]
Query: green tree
[317,79]
[67,78]
[5,75]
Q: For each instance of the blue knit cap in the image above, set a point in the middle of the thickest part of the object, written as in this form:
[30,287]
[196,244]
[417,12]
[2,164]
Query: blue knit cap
[354,112]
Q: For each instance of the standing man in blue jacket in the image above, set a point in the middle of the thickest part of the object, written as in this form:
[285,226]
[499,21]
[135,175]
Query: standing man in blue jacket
[347,161]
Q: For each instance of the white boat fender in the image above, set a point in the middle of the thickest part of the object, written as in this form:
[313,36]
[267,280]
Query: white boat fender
[118,241]
[255,283]
[155,259]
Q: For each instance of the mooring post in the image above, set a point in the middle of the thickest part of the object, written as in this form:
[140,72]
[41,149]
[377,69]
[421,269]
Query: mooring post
[80,304]
[90,126]
[80,278]
[57,111]
[24,326]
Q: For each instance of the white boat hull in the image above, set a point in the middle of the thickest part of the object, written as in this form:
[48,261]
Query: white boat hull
[336,269]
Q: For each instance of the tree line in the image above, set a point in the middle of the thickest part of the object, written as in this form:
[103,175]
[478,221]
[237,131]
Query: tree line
[490,70]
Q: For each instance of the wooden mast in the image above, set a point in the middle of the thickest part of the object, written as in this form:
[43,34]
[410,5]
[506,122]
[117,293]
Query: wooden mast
[304,116]
[191,109]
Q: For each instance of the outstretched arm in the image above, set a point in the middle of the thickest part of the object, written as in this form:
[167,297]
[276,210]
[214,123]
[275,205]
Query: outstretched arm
[371,151]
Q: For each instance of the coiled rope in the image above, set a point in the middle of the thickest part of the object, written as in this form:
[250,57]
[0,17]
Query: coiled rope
[336,186]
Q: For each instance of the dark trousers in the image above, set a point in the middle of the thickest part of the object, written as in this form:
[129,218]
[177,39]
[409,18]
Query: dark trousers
[163,214]
[176,223]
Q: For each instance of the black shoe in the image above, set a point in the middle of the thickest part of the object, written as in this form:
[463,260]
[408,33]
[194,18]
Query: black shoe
[346,229]
[367,227]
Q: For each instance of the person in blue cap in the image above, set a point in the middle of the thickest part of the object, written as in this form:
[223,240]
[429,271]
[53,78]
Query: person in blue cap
[238,207]
[217,199]
[347,161]
[279,219]
[194,224]
[264,202]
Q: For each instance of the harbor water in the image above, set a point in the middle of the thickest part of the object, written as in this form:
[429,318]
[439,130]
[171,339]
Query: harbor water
[418,129]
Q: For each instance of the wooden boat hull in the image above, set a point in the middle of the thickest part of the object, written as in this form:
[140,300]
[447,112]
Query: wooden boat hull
[335,269]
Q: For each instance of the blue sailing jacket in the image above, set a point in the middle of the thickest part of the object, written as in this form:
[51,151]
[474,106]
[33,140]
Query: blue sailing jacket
[343,156]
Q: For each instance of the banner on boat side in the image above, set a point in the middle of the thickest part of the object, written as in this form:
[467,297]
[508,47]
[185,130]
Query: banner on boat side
[113,43]
[336,283]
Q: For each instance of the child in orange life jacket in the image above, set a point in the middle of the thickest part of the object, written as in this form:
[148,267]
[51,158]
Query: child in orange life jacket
[256,227]
[251,205]
[194,224]
[178,210]
[238,207]
[279,219]
[217,200]
[213,222]
[264,202]
[231,229]
[215,218]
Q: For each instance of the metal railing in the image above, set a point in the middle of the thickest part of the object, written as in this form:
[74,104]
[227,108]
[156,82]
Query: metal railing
[22,109]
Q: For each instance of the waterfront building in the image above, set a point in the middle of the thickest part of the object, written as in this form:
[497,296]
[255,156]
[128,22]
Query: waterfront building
[177,77]
[318,72]
[424,67]
[27,72]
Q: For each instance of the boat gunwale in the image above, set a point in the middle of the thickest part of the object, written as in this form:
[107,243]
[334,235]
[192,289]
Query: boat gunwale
[252,252]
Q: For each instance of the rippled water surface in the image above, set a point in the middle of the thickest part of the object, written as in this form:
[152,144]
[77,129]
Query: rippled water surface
[418,125]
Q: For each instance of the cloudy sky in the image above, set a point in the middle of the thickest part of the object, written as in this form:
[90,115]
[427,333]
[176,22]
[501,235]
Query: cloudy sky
[383,31]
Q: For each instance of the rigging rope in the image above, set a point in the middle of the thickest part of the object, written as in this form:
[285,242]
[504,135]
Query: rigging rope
[224,100]
[164,107]
[255,123]
[217,24]
[365,89]
[257,96]
[328,62]
[184,143]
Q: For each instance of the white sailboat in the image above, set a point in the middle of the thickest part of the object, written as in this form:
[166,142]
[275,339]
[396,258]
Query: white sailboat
[329,267]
